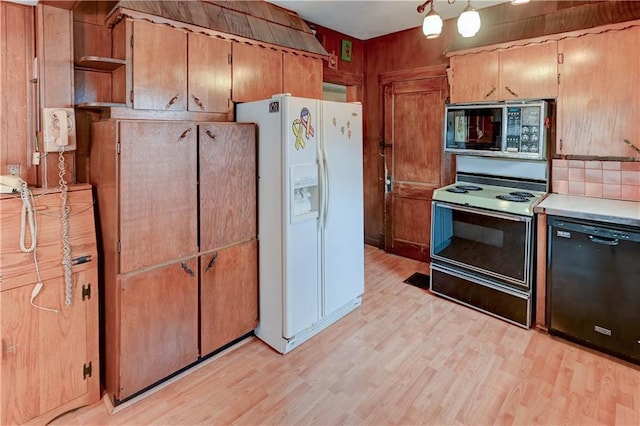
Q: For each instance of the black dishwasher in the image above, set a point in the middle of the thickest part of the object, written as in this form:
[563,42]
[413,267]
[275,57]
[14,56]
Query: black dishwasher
[593,285]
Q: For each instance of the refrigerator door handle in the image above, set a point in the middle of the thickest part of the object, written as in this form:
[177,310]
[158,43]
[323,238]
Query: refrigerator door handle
[327,185]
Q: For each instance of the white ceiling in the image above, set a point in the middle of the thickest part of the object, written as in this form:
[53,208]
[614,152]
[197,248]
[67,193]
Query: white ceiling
[368,19]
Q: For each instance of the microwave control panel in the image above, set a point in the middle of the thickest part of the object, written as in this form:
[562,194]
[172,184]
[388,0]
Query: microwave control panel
[524,127]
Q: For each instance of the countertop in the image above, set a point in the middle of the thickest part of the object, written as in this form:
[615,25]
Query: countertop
[600,209]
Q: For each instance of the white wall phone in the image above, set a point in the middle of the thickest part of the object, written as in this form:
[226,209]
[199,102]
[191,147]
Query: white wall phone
[58,129]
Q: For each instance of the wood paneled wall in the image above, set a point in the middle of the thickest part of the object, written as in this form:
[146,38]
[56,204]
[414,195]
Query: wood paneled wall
[409,49]
[17,92]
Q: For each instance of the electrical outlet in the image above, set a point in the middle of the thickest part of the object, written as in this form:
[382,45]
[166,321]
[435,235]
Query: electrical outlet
[13,169]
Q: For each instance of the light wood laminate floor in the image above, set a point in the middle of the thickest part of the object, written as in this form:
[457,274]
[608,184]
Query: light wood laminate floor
[404,357]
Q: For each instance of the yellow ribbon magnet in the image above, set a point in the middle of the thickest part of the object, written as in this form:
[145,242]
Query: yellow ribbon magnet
[300,124]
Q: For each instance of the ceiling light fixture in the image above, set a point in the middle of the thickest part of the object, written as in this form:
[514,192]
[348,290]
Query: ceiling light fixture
[468,21]
[520,1]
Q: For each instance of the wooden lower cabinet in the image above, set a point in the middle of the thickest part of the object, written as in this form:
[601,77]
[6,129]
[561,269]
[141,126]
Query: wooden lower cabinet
[228,294]
[159,326]
[49,361]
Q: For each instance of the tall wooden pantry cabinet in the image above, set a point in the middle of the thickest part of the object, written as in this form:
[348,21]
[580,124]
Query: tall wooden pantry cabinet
[176,207]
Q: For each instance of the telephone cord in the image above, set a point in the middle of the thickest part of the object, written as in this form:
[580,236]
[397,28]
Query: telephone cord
[29,213]
[66,245]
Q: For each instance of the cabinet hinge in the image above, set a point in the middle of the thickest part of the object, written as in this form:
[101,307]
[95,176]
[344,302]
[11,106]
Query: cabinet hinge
[558,78]
[87,370]
[561,58]
[131,96]
[131,42]
[560,145]
[86,291]
[118,246]
[118,148]
[229,59]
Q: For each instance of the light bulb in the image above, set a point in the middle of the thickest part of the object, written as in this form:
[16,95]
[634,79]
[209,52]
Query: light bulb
[520,1]
[432,24]
[469,22]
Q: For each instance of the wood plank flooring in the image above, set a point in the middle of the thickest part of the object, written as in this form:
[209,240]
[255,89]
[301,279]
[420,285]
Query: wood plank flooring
[404,357]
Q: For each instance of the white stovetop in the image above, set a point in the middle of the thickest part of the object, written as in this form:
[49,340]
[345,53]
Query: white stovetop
[486,198]
[589,208]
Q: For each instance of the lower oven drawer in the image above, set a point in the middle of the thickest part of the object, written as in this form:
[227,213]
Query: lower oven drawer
[508,304]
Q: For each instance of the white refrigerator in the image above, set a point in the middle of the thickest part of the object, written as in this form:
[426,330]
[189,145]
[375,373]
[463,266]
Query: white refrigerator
[310,215]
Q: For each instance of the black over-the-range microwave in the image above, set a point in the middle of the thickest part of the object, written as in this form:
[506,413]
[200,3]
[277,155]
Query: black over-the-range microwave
[501,129]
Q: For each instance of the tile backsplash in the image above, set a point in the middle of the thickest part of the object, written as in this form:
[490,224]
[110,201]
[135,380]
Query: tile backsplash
[619,180]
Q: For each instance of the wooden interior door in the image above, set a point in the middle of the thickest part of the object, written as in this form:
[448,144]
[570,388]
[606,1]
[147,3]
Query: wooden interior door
[43,352]
[227,184]
[159,67]
[228,295]
[413,120]
[209,74]
[158,325]
[158,192]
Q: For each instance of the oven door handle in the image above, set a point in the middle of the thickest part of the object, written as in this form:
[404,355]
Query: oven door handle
[605,241]
[514,218]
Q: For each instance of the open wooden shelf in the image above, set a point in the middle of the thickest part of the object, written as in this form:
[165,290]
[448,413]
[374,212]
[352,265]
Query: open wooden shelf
[98,63]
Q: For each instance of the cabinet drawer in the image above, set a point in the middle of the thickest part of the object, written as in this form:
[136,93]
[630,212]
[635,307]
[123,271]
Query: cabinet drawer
[17,268]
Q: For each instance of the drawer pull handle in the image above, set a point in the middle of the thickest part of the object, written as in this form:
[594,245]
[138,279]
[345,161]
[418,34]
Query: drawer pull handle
[198,102]
[490,92]
[211,135]
[606,242]
[212,262]
[511,91]
[187,269]
[172,101]
[185,133]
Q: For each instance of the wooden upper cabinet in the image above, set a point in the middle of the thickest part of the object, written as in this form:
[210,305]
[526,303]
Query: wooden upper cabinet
[209,74]
[599,102]
[302,76]
[257,72]
[159,67]
[227,184]
[529,72]
[158,192]
[474,77]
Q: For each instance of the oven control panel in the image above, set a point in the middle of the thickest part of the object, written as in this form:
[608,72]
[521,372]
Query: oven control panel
[524,129]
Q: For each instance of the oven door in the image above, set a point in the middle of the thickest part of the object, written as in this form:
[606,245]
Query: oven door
[491,243]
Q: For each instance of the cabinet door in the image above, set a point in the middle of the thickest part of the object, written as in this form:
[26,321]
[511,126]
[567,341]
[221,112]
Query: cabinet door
[209,74]
[257,72]
[228,294]
[43,353]
[227,184]
[302,76]
[529,72]
[598,104]
[475,77]
[158,325]
[159,68]
[158,192]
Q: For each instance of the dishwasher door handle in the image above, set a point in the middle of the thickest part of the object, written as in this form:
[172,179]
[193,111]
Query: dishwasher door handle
[606,242]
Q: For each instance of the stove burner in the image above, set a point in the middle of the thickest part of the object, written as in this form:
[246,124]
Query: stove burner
[457,190]
[469,187]
[522,194]
[514,198]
